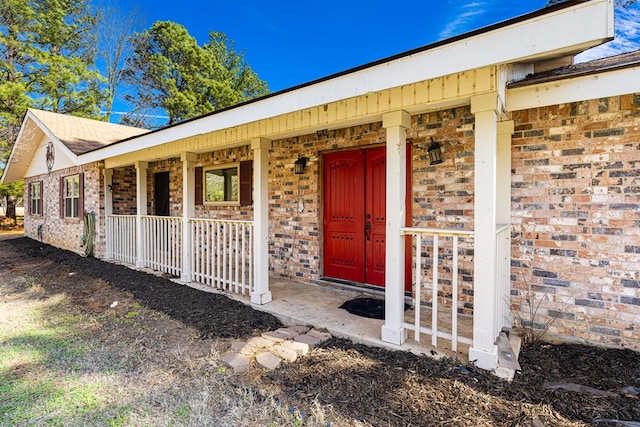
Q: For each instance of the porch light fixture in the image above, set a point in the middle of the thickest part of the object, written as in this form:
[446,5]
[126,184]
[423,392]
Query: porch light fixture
[299,165]
[435,154]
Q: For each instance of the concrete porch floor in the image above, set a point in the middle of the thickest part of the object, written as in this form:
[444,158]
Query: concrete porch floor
[318,305]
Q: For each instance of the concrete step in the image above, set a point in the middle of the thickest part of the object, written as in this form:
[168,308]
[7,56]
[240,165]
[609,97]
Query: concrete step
[509,345]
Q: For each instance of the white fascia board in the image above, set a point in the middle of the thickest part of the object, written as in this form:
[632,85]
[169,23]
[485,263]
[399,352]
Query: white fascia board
[565,31]
[58,145]
[592,86]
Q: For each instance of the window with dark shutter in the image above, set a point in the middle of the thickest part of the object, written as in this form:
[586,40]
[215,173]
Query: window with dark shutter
[198,186]
[246,179]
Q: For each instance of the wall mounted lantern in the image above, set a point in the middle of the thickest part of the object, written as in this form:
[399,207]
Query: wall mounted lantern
[299,165]
[435,154]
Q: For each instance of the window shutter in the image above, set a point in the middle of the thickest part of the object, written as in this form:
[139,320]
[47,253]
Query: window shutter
[198,186]
[61,197]
[28,199]
[246,177]
[80,195]
[41,198]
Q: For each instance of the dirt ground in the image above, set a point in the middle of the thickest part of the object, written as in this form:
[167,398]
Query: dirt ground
[559,385]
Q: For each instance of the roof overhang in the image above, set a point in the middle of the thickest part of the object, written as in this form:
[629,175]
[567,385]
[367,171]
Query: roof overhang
[32,131]
[534,37]
[581,87]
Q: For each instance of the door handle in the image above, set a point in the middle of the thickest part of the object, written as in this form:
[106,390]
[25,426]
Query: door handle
[367,228]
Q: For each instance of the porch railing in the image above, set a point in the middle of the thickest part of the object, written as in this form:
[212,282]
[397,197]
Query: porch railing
[222,254]
[121,238]
[429,244]
[162,237]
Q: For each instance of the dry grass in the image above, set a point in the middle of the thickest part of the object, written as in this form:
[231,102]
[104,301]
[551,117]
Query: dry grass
[61,364]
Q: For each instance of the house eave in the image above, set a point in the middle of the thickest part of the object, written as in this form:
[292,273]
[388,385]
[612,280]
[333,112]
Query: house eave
[529,38]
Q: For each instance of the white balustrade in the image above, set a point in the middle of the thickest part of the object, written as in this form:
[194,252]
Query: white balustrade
[222,254]
[431,243]
[162,242]
[121,238]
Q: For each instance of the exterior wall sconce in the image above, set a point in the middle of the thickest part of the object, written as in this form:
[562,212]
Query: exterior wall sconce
[435,154]
[110,187]
[299,165]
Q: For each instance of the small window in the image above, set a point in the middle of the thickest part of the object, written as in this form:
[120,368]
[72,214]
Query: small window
[221,185]
[36,198]
[71,193]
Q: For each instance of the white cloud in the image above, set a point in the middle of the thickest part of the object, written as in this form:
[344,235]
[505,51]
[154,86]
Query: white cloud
[462,20]
[627,35]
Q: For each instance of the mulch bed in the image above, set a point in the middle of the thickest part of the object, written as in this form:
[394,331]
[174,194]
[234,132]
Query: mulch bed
[212,315]
[374,386]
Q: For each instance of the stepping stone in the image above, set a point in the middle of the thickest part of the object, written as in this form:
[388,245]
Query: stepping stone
[307,339]
[255,345]
[237,362]
[285,353]
[299,329]
[299,347]
[322,336]
[268,361]
[238,346]
[275,336]
[289,333]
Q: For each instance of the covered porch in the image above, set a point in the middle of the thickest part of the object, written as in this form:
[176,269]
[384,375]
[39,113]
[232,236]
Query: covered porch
[467,246]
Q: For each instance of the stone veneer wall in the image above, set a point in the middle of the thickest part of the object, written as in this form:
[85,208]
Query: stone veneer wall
[576,220]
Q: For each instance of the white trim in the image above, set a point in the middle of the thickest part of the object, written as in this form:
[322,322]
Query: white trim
[593,86]
[206,169]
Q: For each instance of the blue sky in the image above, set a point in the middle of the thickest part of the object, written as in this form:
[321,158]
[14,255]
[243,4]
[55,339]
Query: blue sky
[293,42]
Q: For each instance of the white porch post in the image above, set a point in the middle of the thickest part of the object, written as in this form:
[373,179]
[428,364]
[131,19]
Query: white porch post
[485,328]
[261,293]
[503,215]
[188,211]
[141,209]
[108,209]
[396,124]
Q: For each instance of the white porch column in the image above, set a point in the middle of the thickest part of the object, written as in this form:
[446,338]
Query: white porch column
[485,327]
[396,124]
[503,217]
[503,173]
[141,209]
[108,209]
[261,293]
[188,211]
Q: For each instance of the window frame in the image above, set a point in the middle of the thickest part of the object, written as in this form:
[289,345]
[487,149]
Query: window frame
[205,170]
[75,198]
[35,203]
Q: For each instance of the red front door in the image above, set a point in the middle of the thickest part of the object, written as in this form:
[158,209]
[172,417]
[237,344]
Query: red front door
[354,215]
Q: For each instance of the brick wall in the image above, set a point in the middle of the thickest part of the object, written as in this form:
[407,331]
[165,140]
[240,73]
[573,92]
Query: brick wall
[576,218]
[124,191]
[66,233]
[442,195]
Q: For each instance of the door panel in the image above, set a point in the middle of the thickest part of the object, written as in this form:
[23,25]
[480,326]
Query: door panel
[344,215]
[161,193]
[375,215]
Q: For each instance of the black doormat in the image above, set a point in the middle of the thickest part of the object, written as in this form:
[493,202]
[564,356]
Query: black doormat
[367,307]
